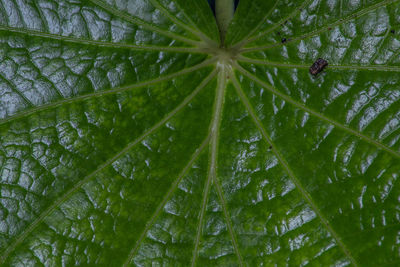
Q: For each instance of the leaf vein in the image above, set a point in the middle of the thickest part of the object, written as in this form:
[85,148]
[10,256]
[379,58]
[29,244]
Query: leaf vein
[330,66]
[189,19]
[158,211]
[105,92]
[244,41]
[222,78]
[228,221]
[307,197]
[213,132]
[291,15]
[20,94]
[201,219]
[18,240]
[319,115]
[194,30]
[142,23]
[81,41]
[322,29]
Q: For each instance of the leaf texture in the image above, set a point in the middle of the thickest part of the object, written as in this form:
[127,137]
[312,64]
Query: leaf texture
[129,136]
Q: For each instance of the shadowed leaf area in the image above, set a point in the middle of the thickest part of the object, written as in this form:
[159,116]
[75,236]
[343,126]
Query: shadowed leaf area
[129,136]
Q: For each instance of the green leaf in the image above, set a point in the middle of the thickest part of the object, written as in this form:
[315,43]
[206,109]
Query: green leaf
[129,135]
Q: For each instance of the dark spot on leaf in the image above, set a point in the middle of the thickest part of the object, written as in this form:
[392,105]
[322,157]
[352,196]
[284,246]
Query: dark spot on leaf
[318,66]
[278,33]
[392,31]
[329,28]
[283,40]
[270,147]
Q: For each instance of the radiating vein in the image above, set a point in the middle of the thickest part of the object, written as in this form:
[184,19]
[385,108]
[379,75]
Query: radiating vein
[322,29]
[213,164]
[222,83]
[81,41]
[330,66]
[228,220]
[212,170]
[317,114]
[201,219]
[307,197]
[189,19]
[142,23]
[18,240]
[175,20]
[278,24]
[106,92]
[245,40]
[168,195]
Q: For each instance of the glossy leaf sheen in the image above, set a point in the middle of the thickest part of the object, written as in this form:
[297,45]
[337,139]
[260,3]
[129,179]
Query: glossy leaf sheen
[128,136]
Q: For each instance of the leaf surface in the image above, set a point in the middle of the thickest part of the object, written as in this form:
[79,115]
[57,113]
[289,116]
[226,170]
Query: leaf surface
[130,136]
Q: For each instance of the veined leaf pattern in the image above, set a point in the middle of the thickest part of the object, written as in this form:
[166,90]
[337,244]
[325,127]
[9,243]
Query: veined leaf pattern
[130,136]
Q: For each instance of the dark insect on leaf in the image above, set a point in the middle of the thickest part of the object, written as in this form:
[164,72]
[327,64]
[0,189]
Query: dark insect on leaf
[318,66]
[283,40]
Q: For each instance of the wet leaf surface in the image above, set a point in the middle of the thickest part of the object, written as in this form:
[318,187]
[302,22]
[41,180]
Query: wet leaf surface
[128,136]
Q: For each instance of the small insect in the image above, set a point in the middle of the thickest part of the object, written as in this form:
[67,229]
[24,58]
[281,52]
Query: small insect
[318,66]
[283,40]
[392,31]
